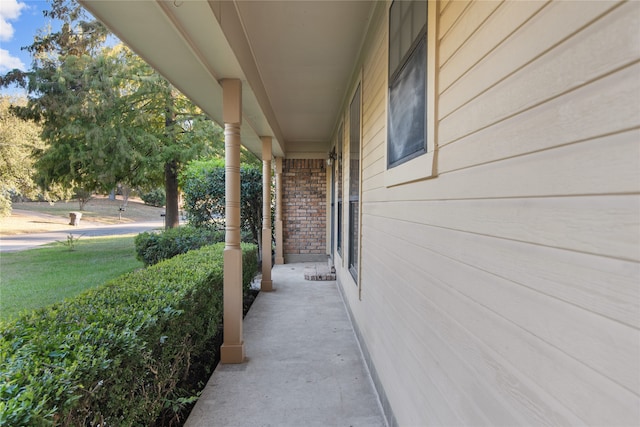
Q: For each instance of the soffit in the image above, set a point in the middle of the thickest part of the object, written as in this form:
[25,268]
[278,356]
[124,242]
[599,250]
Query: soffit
[295,59]
[306,52]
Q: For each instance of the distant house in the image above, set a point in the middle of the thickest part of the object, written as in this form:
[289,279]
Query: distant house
[482,202]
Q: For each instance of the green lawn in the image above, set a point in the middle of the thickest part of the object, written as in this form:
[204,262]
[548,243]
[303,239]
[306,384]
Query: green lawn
[38,277]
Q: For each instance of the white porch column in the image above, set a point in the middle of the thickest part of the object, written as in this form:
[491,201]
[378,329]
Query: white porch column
[278,223]
[267,283]
[232,350]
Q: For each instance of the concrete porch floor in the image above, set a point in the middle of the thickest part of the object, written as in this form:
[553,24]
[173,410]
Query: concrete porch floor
[304,366]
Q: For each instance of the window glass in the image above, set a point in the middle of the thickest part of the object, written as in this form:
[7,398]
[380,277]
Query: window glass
[407,21]
[339,172]
[354,183]
[407,111]
[406,130]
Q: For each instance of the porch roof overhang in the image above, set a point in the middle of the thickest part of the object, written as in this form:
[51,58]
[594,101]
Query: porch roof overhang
[295,59]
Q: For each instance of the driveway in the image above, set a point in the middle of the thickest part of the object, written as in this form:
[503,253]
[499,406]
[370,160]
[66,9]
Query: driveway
[22,242]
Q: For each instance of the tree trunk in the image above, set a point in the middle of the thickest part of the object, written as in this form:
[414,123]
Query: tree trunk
[126,191]
[83,198]
[257,236]
[172,218]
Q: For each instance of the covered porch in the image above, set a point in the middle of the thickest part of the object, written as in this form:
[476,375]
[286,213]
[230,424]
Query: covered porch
[276,75]
[489,259]
[304,365]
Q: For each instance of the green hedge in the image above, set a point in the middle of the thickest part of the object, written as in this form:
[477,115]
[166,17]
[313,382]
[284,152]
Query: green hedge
[155,197]
[119,354]
[153,247]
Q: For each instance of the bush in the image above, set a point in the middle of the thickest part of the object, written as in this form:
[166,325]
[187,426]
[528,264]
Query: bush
[203,185]
[117,355]
[153,247]
[82,196]
[155,197]
[5,205]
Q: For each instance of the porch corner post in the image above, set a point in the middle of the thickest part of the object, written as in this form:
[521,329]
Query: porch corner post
[232,350]
[267,283]
[278,223]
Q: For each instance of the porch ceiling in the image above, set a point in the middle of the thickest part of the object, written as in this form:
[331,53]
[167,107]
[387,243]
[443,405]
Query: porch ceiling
[295,59]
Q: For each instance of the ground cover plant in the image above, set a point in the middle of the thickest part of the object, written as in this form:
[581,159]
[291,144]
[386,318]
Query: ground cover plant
[122,354]
[42,276]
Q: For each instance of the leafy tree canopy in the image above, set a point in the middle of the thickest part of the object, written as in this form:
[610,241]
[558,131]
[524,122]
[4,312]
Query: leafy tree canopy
[18,140]
[107,117]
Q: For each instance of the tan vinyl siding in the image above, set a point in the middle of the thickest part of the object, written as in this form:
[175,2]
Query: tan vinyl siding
[587,56]
[374,83]
[505,290]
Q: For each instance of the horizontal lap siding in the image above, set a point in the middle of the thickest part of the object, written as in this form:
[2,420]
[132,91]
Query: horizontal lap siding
[590,54]
[505,290]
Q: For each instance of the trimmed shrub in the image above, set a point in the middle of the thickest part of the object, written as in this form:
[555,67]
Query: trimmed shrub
[155,197]
[203,186]
[153,247]
[250,265]
[120,354]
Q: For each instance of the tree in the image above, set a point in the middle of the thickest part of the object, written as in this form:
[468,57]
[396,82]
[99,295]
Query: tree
[63,86]
[203,183]
[18,140]
[181,130]
[107,116]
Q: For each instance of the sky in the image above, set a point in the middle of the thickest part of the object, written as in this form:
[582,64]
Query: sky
[19,22]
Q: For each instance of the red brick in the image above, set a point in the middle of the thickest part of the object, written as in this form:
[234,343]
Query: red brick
[304,202]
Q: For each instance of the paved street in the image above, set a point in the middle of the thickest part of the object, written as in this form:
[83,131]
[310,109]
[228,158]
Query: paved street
[21,242]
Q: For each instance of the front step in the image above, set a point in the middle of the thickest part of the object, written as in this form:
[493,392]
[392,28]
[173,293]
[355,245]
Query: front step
[318,272]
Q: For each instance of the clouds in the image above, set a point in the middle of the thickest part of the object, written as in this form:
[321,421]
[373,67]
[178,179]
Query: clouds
[9,11]
[8,62]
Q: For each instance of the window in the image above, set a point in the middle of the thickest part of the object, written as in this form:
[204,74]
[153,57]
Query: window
[411,86]
[407,109]
[407,81]
[339,172]
[354,183]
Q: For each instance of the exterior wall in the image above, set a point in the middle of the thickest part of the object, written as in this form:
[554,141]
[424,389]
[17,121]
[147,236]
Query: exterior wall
[505,291]
[304,209]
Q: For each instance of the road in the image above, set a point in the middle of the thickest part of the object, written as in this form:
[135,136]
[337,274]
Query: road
[22,242]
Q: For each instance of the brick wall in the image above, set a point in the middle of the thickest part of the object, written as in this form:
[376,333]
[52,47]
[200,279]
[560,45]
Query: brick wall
[304,209]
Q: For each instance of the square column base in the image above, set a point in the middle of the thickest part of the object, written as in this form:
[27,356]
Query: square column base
[232,354]
[266,286]
[279,249]
[232,350]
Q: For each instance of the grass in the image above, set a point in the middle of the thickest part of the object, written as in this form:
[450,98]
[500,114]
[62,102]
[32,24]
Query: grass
[39,277]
